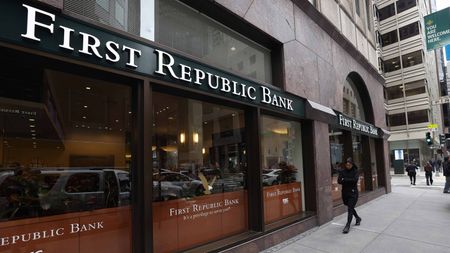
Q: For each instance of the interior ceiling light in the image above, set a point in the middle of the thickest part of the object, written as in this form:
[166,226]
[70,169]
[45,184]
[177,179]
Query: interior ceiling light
[88,88]
[32,126]
[232,48]
[31,119]
[85,106]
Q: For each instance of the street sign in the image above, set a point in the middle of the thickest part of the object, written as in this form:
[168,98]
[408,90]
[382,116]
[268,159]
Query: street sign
[432,126]
[437,29]
[441,100]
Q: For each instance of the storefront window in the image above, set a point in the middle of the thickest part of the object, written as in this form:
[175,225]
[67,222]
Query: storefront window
[65,161]
[282,169]
[357,159]
[337,159]
[186,30]
[199,172]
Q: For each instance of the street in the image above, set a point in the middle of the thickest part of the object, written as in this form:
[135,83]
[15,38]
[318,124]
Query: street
[410,219]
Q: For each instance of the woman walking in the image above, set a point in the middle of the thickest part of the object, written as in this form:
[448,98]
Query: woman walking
[349,180]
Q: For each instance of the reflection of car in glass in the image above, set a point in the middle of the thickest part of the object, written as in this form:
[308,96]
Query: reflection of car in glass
[189,186]
[270,177]
[54,191]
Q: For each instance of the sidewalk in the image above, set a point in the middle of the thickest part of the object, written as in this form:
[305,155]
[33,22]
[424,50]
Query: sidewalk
[410,219]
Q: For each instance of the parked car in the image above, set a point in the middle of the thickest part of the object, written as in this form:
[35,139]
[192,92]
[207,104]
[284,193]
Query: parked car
[41,192]
[190,187]
[270,177]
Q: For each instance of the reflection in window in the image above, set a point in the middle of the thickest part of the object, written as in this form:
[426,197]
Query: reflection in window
[409,30]
[403,5]
[122,15]
[412,59]
[352,103]
[337,158]
[391,64]
[64,140]
[357,159]
[386,12]
[415,117]
[182,28]
[200,164]
[282,168]
[389,38]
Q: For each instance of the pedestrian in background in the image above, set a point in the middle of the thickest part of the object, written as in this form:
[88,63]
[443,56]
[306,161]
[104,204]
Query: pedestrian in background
[411,169]
[428,173]
[446,169]
[348,178]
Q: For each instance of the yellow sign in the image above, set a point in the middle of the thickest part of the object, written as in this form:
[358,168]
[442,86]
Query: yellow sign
[432,126]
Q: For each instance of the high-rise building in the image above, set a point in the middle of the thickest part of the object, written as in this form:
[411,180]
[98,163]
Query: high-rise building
[411,78]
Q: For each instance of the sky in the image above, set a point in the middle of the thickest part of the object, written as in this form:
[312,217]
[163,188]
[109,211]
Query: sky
[441,4]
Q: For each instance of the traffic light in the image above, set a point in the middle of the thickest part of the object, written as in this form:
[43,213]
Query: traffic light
[442,139]
[428,138]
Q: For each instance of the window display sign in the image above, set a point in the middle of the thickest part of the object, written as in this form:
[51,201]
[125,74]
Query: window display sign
[184,223]
[70,233]
[33,27]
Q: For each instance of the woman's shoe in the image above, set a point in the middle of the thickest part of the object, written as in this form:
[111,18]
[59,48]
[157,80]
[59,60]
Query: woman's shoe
[346,229]
[358,221]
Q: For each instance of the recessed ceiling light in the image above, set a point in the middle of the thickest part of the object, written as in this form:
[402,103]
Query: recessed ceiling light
[88,88]
[32,126]
[31,119]
[170,118]
[129,112]
[32,130]
[85,106]
[232,48]
[117,120]
[34,138]
[233,114]
[84,117]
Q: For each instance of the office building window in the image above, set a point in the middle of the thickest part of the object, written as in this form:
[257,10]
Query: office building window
[416,117]
[391,64]
[415,88]
[409,30]
[412,59]
[386,12]
[398,119]
[411,89]
[394,92]
[389,38]
[191,32]
[368,16]
[357,8]
[403,5]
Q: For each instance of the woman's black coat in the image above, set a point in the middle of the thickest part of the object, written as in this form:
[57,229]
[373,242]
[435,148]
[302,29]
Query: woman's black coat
[349,180]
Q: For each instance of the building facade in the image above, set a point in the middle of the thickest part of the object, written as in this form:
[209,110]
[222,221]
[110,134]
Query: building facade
[412,81]
[197,126]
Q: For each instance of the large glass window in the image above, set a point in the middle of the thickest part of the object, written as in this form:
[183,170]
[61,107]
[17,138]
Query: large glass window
[394,92]
[403,5]
[412,59]
[358,158]
[337,159]
[120,14]
[389,38]
[199,170]
[391,64]
[282,169]
[65,150]
[415,117]
[409,30]
[184,29]
[386,12]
